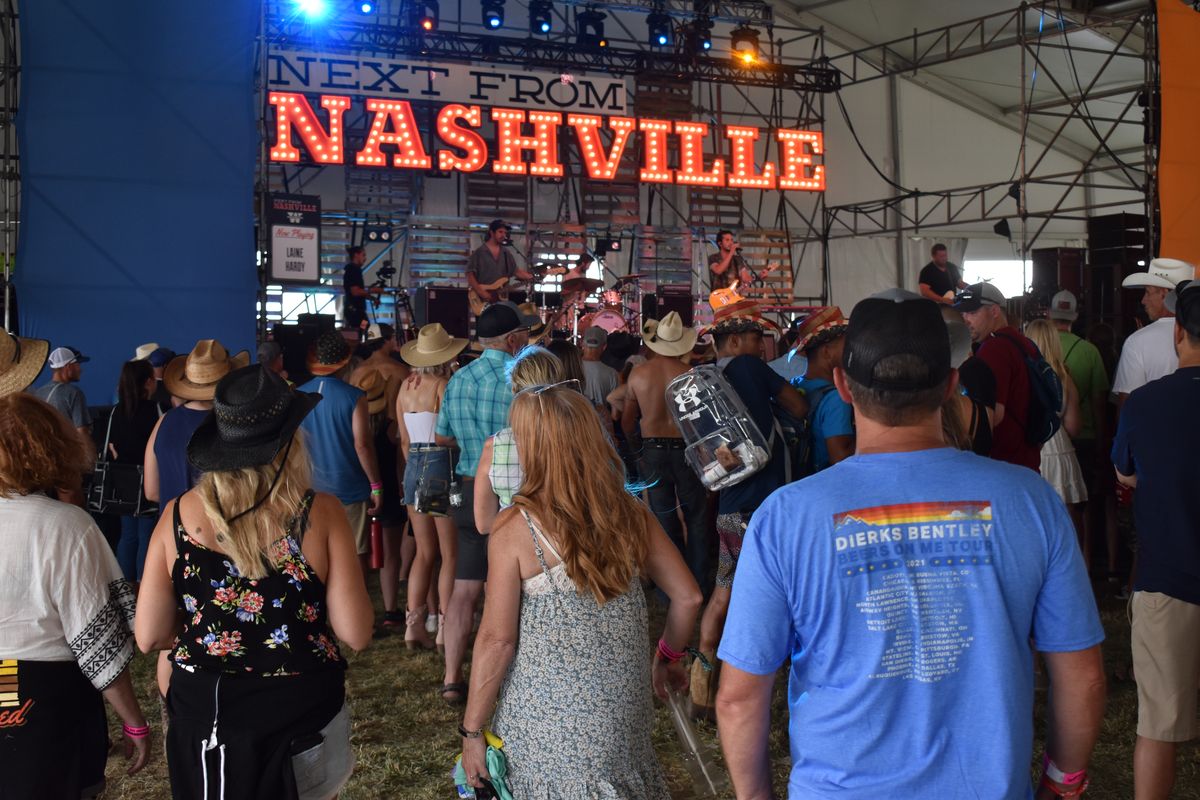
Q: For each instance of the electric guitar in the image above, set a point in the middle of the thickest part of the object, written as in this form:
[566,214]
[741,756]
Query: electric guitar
[478,302]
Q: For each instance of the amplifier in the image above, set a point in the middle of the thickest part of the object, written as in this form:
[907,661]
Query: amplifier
[666,299]
[445,304]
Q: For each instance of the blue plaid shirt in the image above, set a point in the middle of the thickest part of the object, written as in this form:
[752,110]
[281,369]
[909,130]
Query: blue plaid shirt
[475,406]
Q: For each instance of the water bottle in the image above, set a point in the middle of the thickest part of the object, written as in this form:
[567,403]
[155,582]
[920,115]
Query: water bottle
[708,778]
[376,543]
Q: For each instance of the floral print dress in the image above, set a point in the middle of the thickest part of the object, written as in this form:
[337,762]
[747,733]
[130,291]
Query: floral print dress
[276,625]
[575,709]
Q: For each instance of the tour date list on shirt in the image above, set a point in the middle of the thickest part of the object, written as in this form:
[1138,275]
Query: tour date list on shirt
[919,561]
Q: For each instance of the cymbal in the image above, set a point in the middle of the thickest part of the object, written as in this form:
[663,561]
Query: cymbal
[582,285]
[633,276]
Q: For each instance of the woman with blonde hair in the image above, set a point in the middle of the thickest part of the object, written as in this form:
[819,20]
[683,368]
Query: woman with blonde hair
[427,477]
[267,573]
[67,608]
[498,476]
[564,634]
[1060,466]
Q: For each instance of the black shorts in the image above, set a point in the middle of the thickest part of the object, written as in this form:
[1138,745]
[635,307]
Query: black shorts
[471,564]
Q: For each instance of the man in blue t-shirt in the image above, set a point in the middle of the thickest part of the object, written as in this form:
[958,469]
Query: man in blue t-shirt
[1155,450]
[739,344]
[905,607]
[831,421]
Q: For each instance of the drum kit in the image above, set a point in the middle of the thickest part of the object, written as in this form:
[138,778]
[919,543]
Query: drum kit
[616,312]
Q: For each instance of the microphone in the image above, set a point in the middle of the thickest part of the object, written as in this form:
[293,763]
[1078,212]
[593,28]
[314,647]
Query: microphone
[737,250]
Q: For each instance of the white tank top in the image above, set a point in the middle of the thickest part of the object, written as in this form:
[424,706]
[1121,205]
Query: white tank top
[421,426]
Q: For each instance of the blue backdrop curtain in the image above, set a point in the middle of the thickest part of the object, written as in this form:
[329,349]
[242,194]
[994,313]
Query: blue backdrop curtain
[137,133]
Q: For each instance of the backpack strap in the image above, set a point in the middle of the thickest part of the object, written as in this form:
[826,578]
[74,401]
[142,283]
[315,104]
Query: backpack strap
[1070,350]
[178,526]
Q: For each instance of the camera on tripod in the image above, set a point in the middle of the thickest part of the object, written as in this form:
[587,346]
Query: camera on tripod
[384,274]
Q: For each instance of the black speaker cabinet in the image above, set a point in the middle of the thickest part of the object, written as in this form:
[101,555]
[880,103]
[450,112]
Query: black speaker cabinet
[445,304]
[666,300]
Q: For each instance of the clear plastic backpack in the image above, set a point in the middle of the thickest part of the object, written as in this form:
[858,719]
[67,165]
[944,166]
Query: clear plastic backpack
[724,446]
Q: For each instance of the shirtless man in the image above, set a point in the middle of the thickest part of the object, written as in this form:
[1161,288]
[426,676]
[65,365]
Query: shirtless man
[660,444]
[381,343]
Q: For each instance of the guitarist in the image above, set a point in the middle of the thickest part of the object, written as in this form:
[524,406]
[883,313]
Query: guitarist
[492,262]
[727,265]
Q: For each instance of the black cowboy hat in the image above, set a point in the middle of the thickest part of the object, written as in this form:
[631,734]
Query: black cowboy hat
[254,416]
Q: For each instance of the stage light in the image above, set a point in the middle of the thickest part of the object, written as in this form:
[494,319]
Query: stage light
[425,15]
[366,7]
[541,16]
[589,25]
[493,14]
[608,246]
[659,26]
[744,44]
[313,9]
[699,35]
[1002,228]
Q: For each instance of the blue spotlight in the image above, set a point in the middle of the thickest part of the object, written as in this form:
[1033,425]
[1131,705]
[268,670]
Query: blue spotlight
[313,9]
[366,7]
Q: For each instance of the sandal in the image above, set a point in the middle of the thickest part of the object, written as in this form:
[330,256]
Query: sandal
[459,690]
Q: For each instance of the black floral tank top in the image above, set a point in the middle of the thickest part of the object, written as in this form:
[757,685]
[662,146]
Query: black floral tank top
[276,625]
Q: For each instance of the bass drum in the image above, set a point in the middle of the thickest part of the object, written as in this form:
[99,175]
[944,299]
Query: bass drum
[611,321]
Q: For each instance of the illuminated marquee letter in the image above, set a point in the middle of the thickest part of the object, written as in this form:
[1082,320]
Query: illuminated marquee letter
[464,138]
[601,165]
[543,142]
[654,144]
[691,157]
[799,171]
[293,111]
[743,175]
[404,135]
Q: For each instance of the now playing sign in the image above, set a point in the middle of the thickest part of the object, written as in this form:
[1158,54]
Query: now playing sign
[295,221]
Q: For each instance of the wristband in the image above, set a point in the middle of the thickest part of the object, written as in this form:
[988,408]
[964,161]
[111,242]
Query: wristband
[376,486]
[1058,776]
[376,492]
[668,655]
[1076,790]
[136,732]
[466,734]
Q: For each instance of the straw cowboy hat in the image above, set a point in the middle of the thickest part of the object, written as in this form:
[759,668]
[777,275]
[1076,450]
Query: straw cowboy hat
[668,336]
[433,346]
[195,376]
[20,361]
[143,351]
[1163,273]
[537,329]
[375,387]
[329,353]
[821,326]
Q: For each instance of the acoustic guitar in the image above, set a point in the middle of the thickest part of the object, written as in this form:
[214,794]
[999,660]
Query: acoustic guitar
[478,302]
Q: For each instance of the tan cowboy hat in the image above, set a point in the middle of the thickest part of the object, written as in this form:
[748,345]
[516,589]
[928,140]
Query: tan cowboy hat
[537,329]
[195,376]
[668,336]
[433,346]
[143,351]
[20,361]
[375,386]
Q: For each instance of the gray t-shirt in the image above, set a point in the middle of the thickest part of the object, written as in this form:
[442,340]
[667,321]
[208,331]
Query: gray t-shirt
[68,399]
[488,269]
[601,379]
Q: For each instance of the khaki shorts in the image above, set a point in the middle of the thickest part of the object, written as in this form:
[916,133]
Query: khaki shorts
[357,514]
[1166,660]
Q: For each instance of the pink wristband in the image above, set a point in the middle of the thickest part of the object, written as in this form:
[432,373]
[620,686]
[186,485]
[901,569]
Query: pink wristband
[1054,773]
[375,486]
[668,655]
[136,733]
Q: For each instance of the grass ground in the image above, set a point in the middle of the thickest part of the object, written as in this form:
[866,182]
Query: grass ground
[405,736]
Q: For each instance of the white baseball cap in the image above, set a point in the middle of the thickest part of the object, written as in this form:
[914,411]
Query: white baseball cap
[1163,273]
[62,356]
[1063,306]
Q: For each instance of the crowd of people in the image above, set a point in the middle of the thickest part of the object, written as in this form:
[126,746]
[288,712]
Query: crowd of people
[910,545]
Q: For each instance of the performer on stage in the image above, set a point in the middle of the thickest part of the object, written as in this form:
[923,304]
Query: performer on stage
[727,265]
[941,279]
[491,262]
[354,309]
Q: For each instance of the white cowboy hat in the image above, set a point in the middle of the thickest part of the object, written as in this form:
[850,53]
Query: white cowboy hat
[668,336]
[433,346]
[143,351]
[1163,273]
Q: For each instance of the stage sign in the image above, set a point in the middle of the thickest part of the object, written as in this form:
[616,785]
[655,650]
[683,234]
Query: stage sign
[526,143]
[295,221]
[444,82]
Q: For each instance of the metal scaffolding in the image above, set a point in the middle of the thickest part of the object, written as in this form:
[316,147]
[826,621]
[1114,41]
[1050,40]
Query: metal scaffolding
[10,172]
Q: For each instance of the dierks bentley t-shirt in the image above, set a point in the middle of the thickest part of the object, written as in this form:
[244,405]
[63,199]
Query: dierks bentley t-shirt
[905,606]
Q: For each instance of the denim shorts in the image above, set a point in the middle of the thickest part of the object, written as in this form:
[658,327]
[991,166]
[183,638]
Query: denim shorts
[427,466]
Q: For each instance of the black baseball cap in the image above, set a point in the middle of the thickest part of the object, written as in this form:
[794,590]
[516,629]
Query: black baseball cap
[978,295]
[1187,306]
[882,327]
[497,224]
[497,320]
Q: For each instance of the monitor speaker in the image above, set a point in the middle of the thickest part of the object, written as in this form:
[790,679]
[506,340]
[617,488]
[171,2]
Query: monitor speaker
[666,300]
